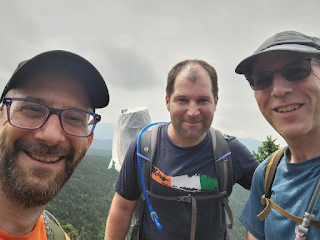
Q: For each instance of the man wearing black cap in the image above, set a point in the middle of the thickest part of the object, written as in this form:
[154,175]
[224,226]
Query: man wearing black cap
[285,75]
[47,120]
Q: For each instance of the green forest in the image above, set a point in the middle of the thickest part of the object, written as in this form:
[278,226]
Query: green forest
[82,206]
[85,199]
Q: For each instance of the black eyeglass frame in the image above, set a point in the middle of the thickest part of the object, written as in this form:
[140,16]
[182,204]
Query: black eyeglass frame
[280,70]
[8,101]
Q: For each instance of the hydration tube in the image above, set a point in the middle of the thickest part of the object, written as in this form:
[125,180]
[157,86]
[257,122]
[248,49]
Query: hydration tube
[302,229]
[153,214]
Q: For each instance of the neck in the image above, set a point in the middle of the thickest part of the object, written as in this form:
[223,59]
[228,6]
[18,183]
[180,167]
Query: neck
[181,141]
[303,148]
[15,219]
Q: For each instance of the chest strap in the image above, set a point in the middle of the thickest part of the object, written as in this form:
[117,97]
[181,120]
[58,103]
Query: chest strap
[269,204]
[193,200]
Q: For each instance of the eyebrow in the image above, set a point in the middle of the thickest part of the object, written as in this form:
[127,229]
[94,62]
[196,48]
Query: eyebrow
[185,96]
[46,102]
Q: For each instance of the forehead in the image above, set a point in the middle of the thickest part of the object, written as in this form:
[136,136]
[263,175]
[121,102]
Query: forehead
[271,61]
[192,77]
[51,86]
[192,71]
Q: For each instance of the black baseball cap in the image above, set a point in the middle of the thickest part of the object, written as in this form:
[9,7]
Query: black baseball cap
[283,41]
[92,79]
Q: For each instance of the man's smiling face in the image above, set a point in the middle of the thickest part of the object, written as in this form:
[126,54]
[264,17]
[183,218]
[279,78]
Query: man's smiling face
[191,105]
[292,108]
[35,164]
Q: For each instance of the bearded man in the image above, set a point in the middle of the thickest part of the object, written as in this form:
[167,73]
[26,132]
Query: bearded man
[47,119]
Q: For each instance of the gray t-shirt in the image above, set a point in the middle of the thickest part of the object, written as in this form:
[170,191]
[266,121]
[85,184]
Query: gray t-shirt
[179,171]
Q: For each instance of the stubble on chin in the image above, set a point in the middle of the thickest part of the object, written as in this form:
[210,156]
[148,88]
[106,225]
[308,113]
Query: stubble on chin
[190,134]
[14,179]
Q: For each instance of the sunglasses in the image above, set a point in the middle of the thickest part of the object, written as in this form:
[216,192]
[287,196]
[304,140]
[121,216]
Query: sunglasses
[294,71]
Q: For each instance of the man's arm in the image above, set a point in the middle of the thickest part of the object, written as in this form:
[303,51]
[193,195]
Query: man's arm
[250,236]
[119,218]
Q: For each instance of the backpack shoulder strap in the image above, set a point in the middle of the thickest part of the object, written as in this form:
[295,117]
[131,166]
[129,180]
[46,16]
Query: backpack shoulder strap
[53,227]
[269,176]
[223,160]
[270,171]
[224,169]
[148,144]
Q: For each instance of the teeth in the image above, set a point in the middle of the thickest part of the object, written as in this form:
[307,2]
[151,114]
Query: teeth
[44,159]
[288,108]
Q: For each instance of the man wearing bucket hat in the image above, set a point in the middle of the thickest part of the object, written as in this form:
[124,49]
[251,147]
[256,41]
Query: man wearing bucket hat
[284,73]
[47,118]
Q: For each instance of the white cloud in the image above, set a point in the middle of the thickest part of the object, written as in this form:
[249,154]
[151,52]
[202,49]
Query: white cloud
[134,44]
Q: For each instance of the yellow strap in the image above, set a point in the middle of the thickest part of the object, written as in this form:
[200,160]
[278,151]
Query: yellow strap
[266,210]
[269,204]
[271,168]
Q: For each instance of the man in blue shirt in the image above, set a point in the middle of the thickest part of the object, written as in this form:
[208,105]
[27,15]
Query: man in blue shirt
[183,163]
[284,73]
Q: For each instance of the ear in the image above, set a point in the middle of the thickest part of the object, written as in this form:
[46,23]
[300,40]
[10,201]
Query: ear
[215,103]
[90,140]
[168,103]
[89,144]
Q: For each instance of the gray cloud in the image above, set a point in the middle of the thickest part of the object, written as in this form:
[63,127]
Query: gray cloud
[134,44]
[128,69]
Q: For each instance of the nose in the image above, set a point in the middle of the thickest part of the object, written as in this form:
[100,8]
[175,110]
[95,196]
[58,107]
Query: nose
[193,109]
[280,85]
[51,132]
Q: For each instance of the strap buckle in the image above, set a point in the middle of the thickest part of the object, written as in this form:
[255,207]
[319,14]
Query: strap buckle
[223,197]
[263,200]
[184,198]
[224,200]
[143,197]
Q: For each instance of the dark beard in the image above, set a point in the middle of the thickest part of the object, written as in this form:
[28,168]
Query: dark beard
[13,177]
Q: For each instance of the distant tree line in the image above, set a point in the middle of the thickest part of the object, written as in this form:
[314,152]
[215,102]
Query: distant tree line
[82,206]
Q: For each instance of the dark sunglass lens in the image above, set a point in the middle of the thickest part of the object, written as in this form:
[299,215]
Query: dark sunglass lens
[297,70]
[262,80]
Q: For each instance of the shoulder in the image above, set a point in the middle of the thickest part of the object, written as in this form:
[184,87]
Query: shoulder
[53,227]
[153,132]
[259,173]
[240,152]
[235,145]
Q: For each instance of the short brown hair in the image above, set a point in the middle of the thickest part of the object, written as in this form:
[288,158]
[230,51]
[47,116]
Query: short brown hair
[181,65]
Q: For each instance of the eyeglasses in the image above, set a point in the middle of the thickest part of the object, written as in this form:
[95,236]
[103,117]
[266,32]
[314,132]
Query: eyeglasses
[294,71]
[28,114]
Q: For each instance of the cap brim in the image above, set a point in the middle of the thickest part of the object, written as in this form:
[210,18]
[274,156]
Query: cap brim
[92,79]
[245,66]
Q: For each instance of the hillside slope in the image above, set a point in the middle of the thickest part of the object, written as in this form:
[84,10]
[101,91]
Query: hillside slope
[85,200]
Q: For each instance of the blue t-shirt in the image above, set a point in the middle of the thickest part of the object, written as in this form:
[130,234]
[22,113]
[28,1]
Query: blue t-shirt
[292,190]
[180,171]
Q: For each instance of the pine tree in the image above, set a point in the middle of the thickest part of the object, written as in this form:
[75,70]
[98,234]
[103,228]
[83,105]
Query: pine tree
[268,147]
[71,231]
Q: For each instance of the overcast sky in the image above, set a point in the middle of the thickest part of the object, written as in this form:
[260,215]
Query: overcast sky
[134,44]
